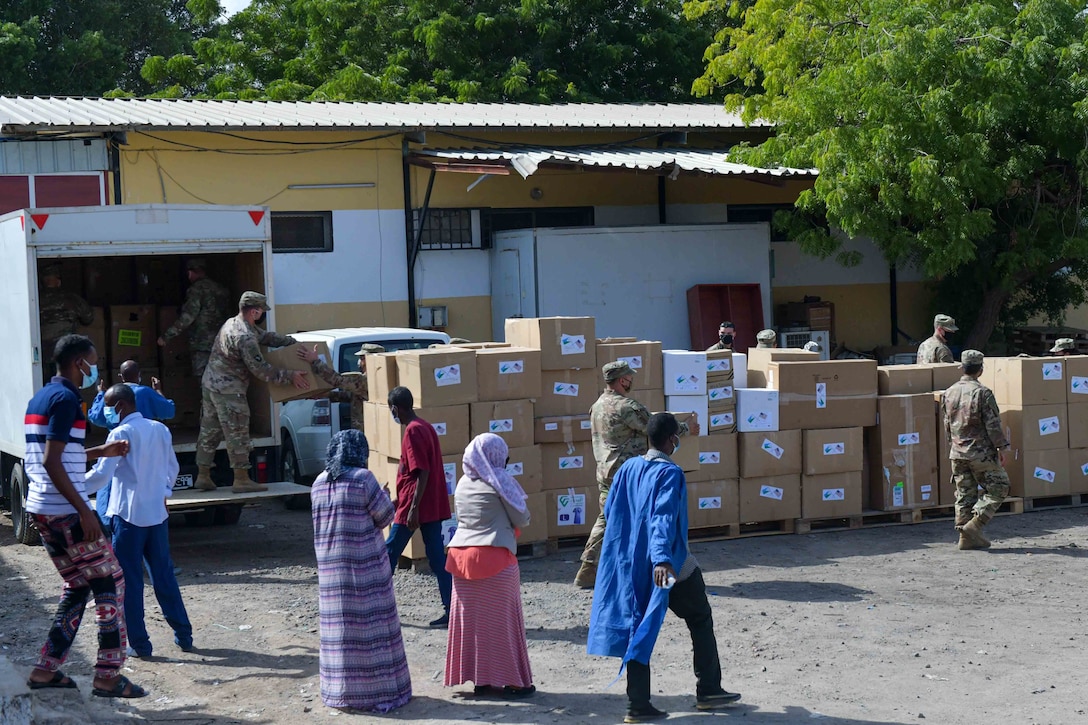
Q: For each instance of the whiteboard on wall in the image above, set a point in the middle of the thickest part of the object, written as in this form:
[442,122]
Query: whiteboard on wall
[634,280]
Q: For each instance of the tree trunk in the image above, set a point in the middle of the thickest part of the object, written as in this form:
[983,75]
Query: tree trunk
[989,312]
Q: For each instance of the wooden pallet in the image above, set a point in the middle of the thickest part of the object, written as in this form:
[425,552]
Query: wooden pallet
[1041,503]
[864,520]
[742,531]
[533,550]
[1011,505]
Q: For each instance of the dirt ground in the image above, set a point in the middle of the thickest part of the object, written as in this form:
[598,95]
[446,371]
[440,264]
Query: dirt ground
[882,625]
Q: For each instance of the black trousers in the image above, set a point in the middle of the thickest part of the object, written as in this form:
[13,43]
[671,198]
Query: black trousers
[687,600]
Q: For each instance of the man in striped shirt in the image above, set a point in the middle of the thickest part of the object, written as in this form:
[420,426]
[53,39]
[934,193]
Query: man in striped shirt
[56,462]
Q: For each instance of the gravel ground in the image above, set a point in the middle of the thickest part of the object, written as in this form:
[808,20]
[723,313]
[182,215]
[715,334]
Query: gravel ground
[882,625]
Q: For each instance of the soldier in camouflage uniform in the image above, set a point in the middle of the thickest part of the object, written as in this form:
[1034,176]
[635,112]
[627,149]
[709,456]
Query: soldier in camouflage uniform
[224,412]
[935,349]
[766,339]
[726,333]
[61,313]
[973,428]
[207,306]
[350,387]
[619,433]
[1064,346]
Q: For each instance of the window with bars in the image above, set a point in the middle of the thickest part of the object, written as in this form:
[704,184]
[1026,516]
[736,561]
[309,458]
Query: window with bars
[453,229]
[301,231]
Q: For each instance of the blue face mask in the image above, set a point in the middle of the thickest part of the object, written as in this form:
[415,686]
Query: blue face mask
[111,414]
[89,379]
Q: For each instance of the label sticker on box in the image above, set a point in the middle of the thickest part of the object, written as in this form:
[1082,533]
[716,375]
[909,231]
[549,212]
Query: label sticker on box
[1084,469]
[450,470]
[710,502]
[721,365]
[1049,426]
[585,424]
[1052,371]
[568,389]
[773,448]
[1044,475]
[448,375]
[897,494]
[571,509]
[572,344]
[821,395]
[720,420]
[709,458]
[551,426]
[909,439]
[511,367]
[771,492]
[723,393]
[569,462]
[686,383]
[635,361]
[504,425]
[1078,385]
[834,494]
[439,428]
[130,338]
[515,469]
[926,496]
[449,528]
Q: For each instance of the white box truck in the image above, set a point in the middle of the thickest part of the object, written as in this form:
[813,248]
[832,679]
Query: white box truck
[129,263]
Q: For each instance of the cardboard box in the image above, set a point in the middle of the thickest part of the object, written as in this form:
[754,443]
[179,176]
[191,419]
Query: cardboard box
[381,376]
[719,456]
[1036,427]
[839,450]
[696,404]
[566,465]
[572,512]
[643,356]
[133,334]
[97,332]
[740,370]
[947,490]
[1078,471]
[719,365]
[1076,373]
[685,372]
[438,377]
[185,391]
[482,345]
[720,395]
[759,359]
[688,455]
[175,354]
[1024,381]
[1078,425]
[903,453]
[723,421]
[757,409]
[507,373]
[945,374]
[650,399]
[374,426]
[537,528]
[713,503]
[831,495]
[286,358]
[564,342]
[568,392]
[562,429]
[526,466]
[769,453]
[826,394]
[1039,473]
[450,422]
[773,498]
[904,379]
[511,420]
[452,472]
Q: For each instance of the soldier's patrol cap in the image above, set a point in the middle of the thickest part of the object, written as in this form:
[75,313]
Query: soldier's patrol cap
[813,346]
[1064,343]
[615,370]
[196,263]
[459,341]
[765,336]
[253,299]
[972,357]
[946,322]
[51,270]
[726,323]
[369,348]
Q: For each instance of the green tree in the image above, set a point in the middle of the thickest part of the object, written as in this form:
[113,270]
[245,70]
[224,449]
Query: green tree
[87,47]
[952,133]
[461,50]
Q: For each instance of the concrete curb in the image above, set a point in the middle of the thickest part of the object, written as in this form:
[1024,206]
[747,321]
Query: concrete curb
[16,704]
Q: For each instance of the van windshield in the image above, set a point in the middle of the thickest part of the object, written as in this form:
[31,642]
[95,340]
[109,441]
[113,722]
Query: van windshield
[349,363]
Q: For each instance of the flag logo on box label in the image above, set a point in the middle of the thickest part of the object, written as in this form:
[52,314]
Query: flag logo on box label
[635,361]
[450,469]
[718,366]
[1052,371]
[909,439]
[1049,426]
[771,492]
[572,344]
[686,383]
[511,367]
[568,389]
[821,395]
[1044,475]
[585,424]
[707,458]
[834,449]
[1084,469]
[834,494]
[723,419]
[898,492]
[773,448]
[1079,385]
[723,393]
[515,469]
[449,528]
[439,428]
[449,375]
[568,462]
[710,502]
[571,509]
[505,425]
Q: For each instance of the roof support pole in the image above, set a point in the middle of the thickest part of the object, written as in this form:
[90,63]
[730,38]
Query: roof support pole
[409,232]
[662,206]
[892,288]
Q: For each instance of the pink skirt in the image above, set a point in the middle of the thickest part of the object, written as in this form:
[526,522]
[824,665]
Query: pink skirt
[486,644]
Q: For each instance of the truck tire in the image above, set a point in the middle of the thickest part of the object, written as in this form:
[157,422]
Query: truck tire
[25,533]
[289,469]
[228,515]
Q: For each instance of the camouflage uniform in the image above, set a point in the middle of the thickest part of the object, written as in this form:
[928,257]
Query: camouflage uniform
[351,388]
[235,357]
[207,305]
[719,345]
[61,314]
[765,339]
[933,350]
[973,427]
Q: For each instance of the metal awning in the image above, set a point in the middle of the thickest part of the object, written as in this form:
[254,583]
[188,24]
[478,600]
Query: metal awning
[528,160]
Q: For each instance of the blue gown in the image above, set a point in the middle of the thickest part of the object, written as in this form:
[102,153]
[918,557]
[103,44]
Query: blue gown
[647,524]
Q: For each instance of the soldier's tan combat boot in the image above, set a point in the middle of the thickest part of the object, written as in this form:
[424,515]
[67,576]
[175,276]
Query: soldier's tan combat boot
[204,480]
[962,520]
[971,537]
[586,578]
[242,483]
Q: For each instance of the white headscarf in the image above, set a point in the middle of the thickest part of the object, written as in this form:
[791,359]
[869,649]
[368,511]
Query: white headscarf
[485,460]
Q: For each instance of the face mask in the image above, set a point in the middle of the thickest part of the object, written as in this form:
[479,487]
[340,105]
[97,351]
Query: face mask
[111,414]
[676,448]
[89,379]
[393,412]
[726,339]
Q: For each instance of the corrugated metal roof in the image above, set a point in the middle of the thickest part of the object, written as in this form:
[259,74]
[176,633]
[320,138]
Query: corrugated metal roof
[526,160]
[20,114]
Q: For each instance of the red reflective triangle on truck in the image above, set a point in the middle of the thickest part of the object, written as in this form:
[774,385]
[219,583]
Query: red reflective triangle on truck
[256,216]
[40,220]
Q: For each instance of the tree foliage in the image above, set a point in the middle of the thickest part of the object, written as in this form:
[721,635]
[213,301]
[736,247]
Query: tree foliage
[462,50]
[950,132]
[87,47]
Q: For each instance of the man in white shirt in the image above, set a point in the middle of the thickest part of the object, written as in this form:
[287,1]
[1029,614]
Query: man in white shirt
[141,482]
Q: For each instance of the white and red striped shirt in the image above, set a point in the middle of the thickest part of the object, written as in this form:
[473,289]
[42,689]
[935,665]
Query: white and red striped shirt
[55,413]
